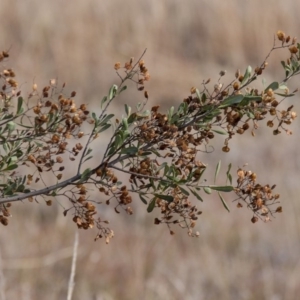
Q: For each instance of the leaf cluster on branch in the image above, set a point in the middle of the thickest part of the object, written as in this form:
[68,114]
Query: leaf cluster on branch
[158,152]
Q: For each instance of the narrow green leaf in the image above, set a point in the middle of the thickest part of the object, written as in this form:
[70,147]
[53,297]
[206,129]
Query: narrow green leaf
[143,199]
[196,195]
[165,197]
[88,158]
[161,166]
[104,99]
[130,150]
[11,167]
[223,132]
[88,152]
[132,118]
[170,113]
[250,115]
[127,109]
[285,95]
[21,188]
[12,160]
[274,86]
[20,104]
[106,119]
[143,115]
[223,202]
[85,175]
[112,91]
[151,205]
[247,99]
[225,188]
[94,116]
[217,170]
[123,89]
[235,99]
[11,126]
[229,177]
[247,75]
[198,94]
[154,151]
[104,127]
[185,192]
[125,123]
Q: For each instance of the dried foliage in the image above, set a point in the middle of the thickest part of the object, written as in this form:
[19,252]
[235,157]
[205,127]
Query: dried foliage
[158,151]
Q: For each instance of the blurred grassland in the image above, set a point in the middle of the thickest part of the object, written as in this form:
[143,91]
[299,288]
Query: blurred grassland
[78,42]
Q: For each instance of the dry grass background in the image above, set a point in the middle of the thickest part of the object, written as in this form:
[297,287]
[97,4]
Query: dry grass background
[188,41]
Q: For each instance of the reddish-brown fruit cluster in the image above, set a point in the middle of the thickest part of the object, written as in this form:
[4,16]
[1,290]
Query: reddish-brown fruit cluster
[179,211]
[259,198]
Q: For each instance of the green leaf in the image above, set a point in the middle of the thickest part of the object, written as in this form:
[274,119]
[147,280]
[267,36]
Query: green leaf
[143,115]
[104,99]
[223,202]
[163,165]
[285,95]
[106,119]
[225,188]
[104,127]
[235,99]
[198,94]
[223,132]
[207,190]
[247,75]
[88,158]
[116,143]
[21,188]
[274,86]
[85,175]
[250,115]
[11,167]
[164,197]
[20,104]
[127,109]
[12,159]
[151,205]
[125,123]
[131,118]
[143,199]
[217,170]
[89,151]
[228,174]
[94,117]
[112,91]
[11,126]
[123,89]
[196,195]
[170,113]
[130,150]
[247,99]
[185,192]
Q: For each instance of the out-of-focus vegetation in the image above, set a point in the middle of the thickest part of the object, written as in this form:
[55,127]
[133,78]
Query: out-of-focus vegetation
[79,42]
